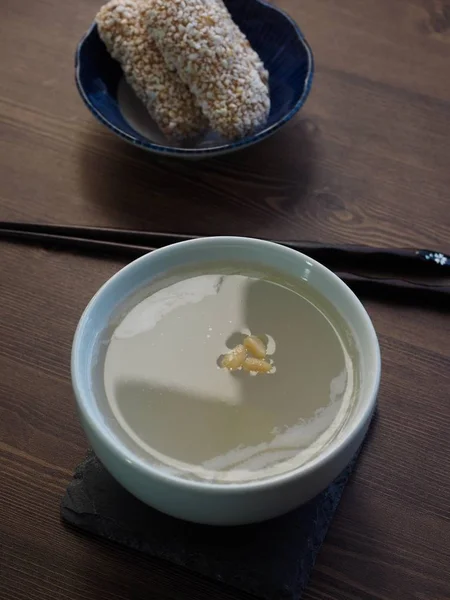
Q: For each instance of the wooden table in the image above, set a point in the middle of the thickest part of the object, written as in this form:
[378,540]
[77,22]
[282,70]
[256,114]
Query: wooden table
[367,161]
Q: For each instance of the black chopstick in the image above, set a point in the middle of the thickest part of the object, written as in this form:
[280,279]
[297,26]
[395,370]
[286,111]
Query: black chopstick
[418,261]
[393,289]
[56,240]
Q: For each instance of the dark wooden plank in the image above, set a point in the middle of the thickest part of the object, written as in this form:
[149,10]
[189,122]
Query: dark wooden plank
[366,161]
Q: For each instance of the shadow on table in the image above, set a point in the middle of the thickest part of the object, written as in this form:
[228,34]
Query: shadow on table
[243,193]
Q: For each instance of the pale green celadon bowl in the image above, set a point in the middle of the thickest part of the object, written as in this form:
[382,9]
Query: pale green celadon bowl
[205,502]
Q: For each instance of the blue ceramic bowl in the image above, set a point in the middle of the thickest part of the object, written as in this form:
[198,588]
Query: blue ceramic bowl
[272,33]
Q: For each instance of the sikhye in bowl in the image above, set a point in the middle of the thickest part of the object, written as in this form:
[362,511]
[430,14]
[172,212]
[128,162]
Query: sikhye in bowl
[274,36]
[208,501]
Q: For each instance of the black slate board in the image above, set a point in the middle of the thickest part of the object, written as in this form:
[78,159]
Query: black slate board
[272,560]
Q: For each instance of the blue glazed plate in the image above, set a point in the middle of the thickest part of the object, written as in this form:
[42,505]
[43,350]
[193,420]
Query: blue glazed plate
[273,34]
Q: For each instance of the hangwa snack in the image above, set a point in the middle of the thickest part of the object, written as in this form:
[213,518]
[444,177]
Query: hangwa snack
[241,42]
[213,58]
[168,100]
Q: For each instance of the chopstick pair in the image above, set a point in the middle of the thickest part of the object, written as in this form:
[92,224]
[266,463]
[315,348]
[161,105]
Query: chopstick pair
[340,258]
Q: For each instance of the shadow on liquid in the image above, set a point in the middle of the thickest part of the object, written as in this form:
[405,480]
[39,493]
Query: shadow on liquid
[277,414]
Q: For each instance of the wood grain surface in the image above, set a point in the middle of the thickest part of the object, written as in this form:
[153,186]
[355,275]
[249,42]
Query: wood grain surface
[367,161]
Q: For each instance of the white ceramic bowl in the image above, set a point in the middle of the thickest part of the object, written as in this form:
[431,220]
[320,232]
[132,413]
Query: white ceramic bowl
[213,503]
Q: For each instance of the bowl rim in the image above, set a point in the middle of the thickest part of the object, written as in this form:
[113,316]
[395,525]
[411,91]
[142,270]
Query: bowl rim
[86,402]
[161,149]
